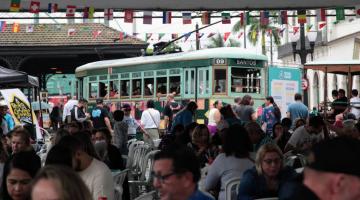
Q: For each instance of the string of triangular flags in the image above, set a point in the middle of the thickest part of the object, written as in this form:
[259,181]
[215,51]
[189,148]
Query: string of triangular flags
[245,17]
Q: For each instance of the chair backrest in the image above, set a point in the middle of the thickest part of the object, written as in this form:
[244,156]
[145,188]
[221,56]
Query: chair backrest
[295,160]
[118,183]
[132,146]
[138,157]
[231,188]
[270,198]
[147,196]
[147,166]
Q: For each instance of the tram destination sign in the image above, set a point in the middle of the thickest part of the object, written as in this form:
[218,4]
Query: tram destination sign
[246,62]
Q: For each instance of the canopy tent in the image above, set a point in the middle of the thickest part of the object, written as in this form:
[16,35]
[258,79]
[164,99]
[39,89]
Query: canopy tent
[16,79]
[186,4]
[336,66]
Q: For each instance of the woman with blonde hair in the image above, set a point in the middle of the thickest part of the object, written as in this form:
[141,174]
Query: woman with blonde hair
[59,182]
[267,177]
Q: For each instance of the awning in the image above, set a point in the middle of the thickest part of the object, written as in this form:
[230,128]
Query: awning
[337,66]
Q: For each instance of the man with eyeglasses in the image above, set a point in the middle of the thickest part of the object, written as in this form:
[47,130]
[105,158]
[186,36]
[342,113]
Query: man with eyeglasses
[176,173]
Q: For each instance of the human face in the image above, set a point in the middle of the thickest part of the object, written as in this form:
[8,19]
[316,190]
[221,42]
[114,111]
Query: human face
[313,130]
[170,185]
[99,136]
[351,188]
[271,164]
[219,105]
[18,184]
[3,110]
[278,130]
[45,189]
[17,144]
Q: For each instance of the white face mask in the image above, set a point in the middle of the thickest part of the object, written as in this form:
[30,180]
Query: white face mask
[100,141]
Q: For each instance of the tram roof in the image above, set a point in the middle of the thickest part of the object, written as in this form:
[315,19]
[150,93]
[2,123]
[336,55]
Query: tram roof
[335,66]
[224,52]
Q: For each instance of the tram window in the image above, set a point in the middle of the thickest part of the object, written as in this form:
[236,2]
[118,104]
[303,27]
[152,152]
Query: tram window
[174,85]
[148,86]
[93,90]
[136,87]
[246,80]
[103,88]
[125,88]
[220,81]
[161,85]
[204,81]
[114,89]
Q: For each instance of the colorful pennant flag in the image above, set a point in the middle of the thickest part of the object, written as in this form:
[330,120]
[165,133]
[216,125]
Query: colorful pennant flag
[357,11]
[321,15]
[308,27]
[96,34]
[200,35]
[34,7]
[91,12]
[108,14]
[186,37]
[242,19]
[166,17]
[128,16]
[148,36]
[161,35]
[174,36]
[186,16]
[86,13]
[147,18]
[210,35]
[301,16]
[70,11]
[247,19]
[283,17]
[296,30]
[321,25]
[281,31]
[240,34]
[2,26]
[340,13]
[264,18]
[226,36]
[71,32]
[15,5]
[15,27]
[52,7]
[205,17]
[121,36]
[29,28]
[226,18]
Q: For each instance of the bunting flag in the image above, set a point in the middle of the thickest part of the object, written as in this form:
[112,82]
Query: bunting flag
[52,7]
[86,13]
[15,27]
[71,32]
[308,27]
[186,16]
[226,36]
[187,35]
[240,34]
[147,18]
[128,16]
[242,19]
[91,12]
[247,19]
[296,30]
[148,36]
[121,36]
[96,34]
[29,28]
[321,15]
[321,25]
[357,11]
[264,18]
[161,35]
[253,35]
[205,17]
[174,36]
[108,14]
[340,13]
[15,5]
[34,7]
[281,31]
[301,16]
[210,35]
[226,18]
[283,17]
[166,17]
[70,11]
[2,26]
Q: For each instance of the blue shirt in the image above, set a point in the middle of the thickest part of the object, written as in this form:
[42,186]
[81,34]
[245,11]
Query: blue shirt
[297,110]
[184,117]
[198,195]
[10,121]
[268,116]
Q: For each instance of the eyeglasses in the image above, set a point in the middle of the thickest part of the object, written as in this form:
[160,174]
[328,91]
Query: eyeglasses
[162,178]
[275,161]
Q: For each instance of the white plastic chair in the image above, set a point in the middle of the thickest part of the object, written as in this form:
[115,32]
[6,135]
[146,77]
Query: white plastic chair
[118,183]
[231,188]
[147,196]
[130,157]
[270,198]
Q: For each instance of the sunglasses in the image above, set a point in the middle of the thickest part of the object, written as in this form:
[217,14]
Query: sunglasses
[275,161]
[162,178]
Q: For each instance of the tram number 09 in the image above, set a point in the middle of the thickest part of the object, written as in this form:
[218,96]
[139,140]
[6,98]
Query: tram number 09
[219,61]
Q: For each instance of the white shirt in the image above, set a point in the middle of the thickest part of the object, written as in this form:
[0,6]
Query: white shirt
[150,118]
[213,114]
[67,108]
[97,177]
[303,140]
[355,106]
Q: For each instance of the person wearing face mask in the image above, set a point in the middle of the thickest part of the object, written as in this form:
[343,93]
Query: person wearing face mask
[306,136]
[107,152]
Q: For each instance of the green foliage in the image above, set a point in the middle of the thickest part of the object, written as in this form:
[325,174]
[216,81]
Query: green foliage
[218,41]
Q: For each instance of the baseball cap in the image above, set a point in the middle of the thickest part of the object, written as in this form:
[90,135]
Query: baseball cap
[126,107]
[3,103]
[99,101]
[338,155]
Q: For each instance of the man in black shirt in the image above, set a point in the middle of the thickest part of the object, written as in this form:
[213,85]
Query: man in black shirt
[171,108]
[100,116]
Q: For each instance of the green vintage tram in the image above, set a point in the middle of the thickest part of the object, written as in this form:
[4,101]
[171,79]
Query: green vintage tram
[204,75]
